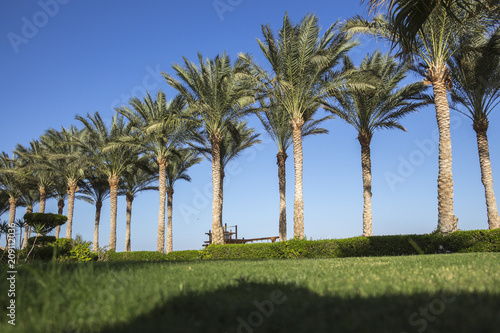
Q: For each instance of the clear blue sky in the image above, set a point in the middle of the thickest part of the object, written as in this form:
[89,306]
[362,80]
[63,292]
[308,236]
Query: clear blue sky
[84,56]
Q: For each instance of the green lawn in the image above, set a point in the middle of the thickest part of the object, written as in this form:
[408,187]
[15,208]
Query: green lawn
[431,293]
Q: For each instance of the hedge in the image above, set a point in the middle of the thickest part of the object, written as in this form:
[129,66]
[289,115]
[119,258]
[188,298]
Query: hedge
[396,245]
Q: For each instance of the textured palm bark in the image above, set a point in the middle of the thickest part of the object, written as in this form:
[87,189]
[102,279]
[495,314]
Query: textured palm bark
[27,234]
[447,222]
[439,77]
[222,176]
[130,199]
[113,198]
[43,199]
[12,211]
[366,167]
[281,157]
[160,245]
[71,204]
[170,198]
[481,128]
[217,232]
[298,203]
[60,208]
[95,244]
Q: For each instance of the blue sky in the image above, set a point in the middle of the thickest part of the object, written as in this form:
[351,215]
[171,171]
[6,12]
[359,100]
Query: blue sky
[61,58]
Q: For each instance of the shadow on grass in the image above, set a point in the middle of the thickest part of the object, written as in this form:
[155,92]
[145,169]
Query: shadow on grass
[256,307]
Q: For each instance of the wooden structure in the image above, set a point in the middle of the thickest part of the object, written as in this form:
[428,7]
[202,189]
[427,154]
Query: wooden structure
[231,237]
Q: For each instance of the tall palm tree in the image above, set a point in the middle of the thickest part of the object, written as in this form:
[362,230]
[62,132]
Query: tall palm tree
[232,144]
[29,197]
[475,72]
[36,160]
[60,193]
[276,122]
[216,92]
[372,109]
[94,190]
[112,162]
[21,224]
[138,177]
[437,41]
[177,168]
[302,64]
[11,182]
[68,161]
[159,129]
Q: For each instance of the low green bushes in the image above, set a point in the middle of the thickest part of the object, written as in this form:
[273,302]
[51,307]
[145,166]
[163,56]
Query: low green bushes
[398,245]
[460,241]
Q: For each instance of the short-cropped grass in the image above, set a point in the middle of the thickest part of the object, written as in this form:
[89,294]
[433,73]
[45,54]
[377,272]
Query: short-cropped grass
[427,293]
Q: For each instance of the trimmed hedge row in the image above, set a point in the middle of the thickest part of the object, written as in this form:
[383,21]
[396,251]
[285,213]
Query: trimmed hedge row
[460,241]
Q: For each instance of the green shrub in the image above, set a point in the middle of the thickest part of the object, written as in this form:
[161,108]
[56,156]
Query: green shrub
[136,256]
[184,255]
[80,252]
[44,223]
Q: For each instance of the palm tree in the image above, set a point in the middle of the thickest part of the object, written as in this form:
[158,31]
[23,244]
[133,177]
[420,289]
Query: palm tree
[94,190]
[159,129]
[276,122]
[11,182]
[216,92]
[177,167]
[437,41]
[138,177]
[68,161]
[29,197]
[302,64]
[112,162]
[475,69]
[36,161]
[411,16]
[21,224]
[232,144]
[372,109]
[4,229]
[60,193]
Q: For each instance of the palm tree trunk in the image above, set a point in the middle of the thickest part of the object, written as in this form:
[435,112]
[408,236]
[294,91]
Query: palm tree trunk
[130,199]
[366,166]
[481,128]
[72,188]
[298,204]
[170,198]
[162,164]
[12,211]
[217,232]
[43,199]
[113,196]
[27,234]
[447,222]
[282,156]
[60,207]
[222,176]
[95,243]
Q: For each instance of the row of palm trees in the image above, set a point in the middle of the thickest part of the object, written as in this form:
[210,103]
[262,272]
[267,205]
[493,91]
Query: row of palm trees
[161,139]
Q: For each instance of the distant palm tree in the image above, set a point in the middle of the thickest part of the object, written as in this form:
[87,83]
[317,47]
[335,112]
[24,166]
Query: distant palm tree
[138,177]
[302,63]
[21,224]
[11,182]
[231,146]
[94,190]
[112,162]
[60,193]
[372,109]
[216,92]
[475,70]
[177,167]
[276,122]
[4,229]
[159,128]
[68,161]
[36,161]
[29,198]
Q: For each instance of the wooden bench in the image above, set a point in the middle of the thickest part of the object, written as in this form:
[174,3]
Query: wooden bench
[228,237]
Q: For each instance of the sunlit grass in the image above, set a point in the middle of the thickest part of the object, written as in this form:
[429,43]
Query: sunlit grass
[210,296]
